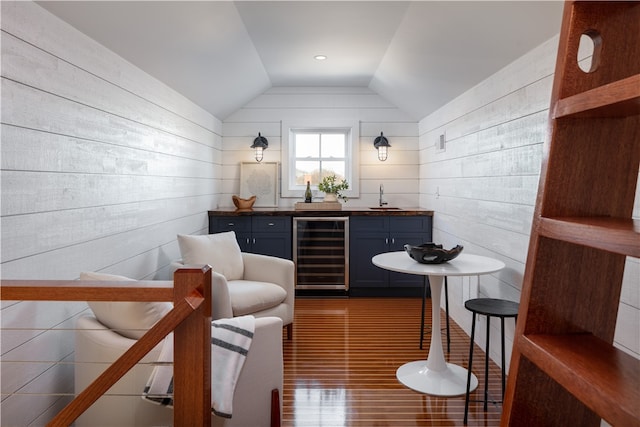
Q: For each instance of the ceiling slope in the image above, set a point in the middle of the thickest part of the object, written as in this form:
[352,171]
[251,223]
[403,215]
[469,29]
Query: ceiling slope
[221,54]
[442,49]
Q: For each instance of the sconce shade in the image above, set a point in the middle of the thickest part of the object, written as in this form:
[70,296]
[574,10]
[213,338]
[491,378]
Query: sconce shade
[382,145]
[260,144]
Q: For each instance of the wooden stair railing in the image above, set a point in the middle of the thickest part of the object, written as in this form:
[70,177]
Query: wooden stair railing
[190,319]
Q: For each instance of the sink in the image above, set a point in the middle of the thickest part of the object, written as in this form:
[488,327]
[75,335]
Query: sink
[385,208]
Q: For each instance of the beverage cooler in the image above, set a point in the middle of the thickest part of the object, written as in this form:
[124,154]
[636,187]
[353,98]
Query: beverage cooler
[321,252]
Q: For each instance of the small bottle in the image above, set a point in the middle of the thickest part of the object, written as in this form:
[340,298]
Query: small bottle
[307,193]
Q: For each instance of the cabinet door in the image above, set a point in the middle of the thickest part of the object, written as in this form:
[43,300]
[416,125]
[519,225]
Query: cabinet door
[408,225]
[271,235]
[244,241]
[362,247]
[273,244]
[396,243]
[411,230]
[368,236]
[241,225]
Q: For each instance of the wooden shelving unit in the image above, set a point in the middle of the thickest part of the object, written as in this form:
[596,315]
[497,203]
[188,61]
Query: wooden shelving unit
[564,368]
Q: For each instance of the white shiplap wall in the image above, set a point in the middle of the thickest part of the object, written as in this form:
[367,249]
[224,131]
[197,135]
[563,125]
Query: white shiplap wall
[483,186]
[102,165]
[374,115]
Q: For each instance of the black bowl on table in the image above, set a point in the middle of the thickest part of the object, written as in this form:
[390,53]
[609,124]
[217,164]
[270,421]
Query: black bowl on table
[432,253]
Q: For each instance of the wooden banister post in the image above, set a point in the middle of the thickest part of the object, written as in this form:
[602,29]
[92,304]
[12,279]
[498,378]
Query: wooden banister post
[192,351]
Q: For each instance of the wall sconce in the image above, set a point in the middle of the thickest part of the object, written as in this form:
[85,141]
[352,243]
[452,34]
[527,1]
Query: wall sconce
[382,145]
[260,144]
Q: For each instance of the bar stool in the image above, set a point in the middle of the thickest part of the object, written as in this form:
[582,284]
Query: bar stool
[489,307]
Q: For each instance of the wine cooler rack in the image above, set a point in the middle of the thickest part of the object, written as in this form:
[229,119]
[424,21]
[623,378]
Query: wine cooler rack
[321,252]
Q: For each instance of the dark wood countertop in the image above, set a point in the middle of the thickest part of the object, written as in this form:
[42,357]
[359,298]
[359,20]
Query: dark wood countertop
[355,211]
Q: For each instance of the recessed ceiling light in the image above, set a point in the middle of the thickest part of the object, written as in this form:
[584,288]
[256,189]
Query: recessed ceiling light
[320,57]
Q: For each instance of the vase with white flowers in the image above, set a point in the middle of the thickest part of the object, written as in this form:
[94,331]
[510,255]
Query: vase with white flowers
[332,188]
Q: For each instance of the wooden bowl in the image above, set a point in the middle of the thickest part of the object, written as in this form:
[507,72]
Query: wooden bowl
[243,203]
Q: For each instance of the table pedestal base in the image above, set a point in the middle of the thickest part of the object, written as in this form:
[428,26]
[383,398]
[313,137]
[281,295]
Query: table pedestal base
[449,382]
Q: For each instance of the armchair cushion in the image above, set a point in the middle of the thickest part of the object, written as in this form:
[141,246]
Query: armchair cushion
[129,319]
[258,269]
[250,297]
[219,250]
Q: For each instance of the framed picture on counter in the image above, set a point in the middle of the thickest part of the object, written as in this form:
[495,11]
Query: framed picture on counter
[260,180]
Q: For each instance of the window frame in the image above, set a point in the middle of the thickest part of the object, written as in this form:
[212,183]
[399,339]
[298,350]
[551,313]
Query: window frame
[352,154]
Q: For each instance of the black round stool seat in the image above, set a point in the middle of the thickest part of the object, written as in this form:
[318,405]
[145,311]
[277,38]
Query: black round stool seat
[492,307]
[489,307]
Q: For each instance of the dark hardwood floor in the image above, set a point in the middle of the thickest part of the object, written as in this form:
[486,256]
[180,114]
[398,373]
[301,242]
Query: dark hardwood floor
[339,369]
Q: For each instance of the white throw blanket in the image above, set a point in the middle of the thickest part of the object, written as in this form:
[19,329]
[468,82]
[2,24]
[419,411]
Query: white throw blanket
[230,342]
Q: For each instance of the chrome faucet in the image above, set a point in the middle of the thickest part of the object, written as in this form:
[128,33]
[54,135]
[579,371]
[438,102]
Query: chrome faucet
[381,194]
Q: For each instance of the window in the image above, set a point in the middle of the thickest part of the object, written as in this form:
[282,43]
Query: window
[317,154]
[311,153]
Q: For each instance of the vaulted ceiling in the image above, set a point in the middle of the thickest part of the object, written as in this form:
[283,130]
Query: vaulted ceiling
[222,54]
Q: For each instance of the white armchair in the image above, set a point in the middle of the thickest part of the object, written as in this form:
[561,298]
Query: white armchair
[97,345]
[242,283]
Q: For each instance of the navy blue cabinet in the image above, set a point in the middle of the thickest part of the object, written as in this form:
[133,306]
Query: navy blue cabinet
[259,234]
[371,235]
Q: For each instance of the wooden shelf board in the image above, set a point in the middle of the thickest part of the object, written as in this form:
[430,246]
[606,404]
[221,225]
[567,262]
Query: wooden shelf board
[320,274]
[621,98]
[321,286]
[618,235]
[606,379]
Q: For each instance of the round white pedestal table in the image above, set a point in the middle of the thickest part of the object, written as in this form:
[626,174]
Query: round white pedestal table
[435,376]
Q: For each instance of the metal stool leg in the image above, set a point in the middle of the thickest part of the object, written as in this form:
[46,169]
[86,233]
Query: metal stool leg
[466,399]
[486,365]
[503,357]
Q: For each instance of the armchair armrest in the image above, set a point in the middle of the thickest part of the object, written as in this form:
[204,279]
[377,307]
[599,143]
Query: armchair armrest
[261,373]
[271,269]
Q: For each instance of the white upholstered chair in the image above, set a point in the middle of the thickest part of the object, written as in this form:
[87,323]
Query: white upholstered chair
[114,327]
[243,283]
[123,406]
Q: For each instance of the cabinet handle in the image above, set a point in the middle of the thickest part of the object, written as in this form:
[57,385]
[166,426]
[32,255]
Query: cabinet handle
[393,240]
[248,240]
[271,224]
[254,240]
[386,240]
[231,224]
